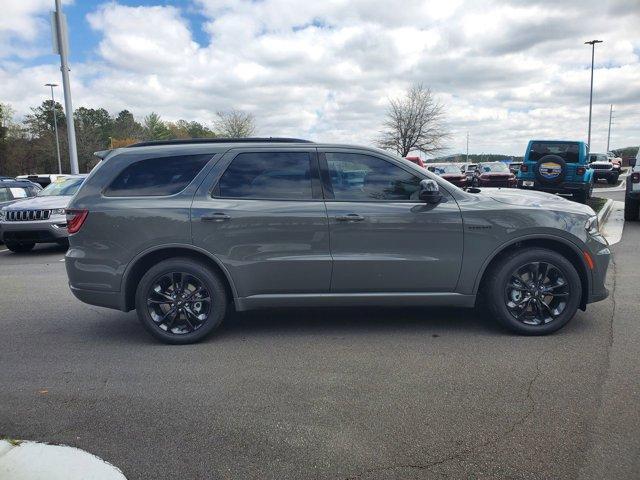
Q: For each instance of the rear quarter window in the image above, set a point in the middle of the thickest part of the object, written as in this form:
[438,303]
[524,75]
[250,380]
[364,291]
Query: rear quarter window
[157,176]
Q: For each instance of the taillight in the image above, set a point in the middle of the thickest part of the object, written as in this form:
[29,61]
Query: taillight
[635,177]
[75,219]
[524,168]
[580,170]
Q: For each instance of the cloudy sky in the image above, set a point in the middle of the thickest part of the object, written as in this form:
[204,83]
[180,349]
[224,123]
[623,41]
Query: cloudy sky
[507,71]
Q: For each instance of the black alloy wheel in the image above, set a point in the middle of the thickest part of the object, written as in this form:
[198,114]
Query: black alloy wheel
[537,293]
[178,302]
[532,291]
[181,301]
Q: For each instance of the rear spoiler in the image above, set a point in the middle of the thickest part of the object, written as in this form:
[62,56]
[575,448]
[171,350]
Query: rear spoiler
[102,154]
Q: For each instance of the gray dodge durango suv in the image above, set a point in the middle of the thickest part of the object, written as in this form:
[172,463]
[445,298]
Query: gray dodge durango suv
[183,230]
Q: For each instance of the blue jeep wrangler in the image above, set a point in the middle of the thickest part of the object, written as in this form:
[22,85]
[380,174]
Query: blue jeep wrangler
[557,166]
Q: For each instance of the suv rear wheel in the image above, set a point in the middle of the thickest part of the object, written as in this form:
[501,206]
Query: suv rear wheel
[180,301]
[20,247]
[533,292]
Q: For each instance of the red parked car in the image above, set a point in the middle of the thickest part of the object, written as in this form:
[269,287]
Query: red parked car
[493,174]
[417,160]
[450,172]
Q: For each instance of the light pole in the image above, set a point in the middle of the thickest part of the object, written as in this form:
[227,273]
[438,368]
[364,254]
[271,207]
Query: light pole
[609,132]
[61,46]
[593,51]
[55,122]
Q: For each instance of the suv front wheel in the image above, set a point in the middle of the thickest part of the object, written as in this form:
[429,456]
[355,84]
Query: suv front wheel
[533,292]
[180,301]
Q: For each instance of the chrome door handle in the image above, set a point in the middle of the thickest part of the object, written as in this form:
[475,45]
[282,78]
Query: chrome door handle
[215,217]
[351,217]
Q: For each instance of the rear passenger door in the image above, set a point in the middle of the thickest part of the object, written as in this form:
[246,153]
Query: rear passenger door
[260,211]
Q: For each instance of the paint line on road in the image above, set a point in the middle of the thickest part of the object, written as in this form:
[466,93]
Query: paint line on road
[614,224]
[4,250]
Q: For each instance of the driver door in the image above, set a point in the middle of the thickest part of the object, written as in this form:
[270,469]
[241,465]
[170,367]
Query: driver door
[382,237]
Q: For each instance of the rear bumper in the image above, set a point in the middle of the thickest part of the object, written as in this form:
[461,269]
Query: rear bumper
[564,187]
[99,298]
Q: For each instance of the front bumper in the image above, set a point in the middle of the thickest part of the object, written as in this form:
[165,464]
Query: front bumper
[607,174]
[38,231]
[497,183]
[601,255]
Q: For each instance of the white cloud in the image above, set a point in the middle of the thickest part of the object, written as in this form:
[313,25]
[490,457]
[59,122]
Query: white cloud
[507,71]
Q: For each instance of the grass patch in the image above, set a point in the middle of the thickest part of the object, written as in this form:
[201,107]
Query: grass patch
[12,441]
[597,203]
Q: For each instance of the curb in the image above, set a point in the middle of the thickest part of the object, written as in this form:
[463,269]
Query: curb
[20,460]
[604,212]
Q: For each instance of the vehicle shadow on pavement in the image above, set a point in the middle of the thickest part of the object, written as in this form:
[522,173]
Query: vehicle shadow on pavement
[316,322]
[39,250]
[329,321]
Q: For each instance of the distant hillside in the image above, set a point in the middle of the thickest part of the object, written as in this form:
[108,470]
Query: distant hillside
[626,151]
[476,158]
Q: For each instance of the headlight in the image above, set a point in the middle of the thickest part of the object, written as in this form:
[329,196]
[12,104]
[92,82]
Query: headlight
[591,225]
[58,211]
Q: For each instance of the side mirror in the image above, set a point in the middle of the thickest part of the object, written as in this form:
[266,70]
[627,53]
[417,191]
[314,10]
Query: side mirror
[429,192]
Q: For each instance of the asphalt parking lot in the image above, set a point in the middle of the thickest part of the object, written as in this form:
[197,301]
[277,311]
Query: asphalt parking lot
[326,394]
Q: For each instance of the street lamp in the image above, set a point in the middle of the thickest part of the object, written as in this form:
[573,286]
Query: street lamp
[593,50]
[55,122]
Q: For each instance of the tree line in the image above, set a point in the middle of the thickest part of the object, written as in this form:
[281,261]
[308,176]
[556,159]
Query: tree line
[414,122]
[29,146]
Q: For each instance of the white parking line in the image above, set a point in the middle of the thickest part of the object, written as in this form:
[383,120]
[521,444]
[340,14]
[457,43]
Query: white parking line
[614,225]
[4,250]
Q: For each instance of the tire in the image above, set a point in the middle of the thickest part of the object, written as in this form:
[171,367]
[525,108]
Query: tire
[612,180]
[475,182]
[631,210]
[582,196]
[20,247]
[179,326]
[497,296]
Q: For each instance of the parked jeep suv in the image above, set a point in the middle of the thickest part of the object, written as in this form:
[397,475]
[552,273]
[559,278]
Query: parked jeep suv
[182,230]
[632,191]
[41,219]
[603,168]
[557,167]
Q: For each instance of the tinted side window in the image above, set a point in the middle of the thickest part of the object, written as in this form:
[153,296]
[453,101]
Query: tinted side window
[269,175]
[157,176]
[5,195]
[361,177]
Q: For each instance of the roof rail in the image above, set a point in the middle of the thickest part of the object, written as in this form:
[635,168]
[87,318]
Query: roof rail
[186,141]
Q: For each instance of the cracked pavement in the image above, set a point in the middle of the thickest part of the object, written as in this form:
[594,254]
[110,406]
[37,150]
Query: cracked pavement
[324,394]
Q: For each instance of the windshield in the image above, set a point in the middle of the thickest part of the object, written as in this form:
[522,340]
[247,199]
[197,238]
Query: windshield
[569,152]
[63,187]
[598,157]
[493,167]
[441,169]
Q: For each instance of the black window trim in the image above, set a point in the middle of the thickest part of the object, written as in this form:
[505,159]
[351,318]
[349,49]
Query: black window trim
[155,156]
[314,170]
[328,187]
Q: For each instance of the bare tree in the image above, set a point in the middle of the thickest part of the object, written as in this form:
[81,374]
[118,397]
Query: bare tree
[414,122]
[235,124]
